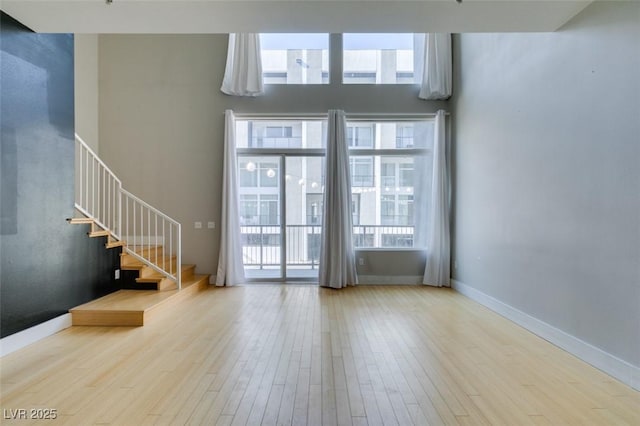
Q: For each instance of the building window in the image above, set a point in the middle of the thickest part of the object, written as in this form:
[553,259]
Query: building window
[361,171]
[248,209]
[405,210]
[404,136]
[247,175]
[273,135]
[380,58]
[388,175]
[263,174]
[387,209]
[269,209]
[360,136]
[280,134]
[406,175]
[259,209]
[269,175]
[295,58]
[355,208]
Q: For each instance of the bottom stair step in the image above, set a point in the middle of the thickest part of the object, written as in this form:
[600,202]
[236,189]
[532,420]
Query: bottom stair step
[132,307]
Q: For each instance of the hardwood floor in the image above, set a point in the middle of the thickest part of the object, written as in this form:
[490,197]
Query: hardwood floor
[305,355]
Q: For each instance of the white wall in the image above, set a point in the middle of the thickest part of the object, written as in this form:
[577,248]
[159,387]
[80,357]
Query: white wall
[86,88]
[547,174]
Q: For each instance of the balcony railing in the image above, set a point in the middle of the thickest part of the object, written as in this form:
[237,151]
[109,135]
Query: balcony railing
[276,142]
[262,243]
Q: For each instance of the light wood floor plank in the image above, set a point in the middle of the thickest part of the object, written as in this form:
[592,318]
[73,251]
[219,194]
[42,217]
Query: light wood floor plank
[303,355]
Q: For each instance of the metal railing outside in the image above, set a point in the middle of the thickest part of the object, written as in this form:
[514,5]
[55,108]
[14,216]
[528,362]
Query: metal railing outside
[262,243]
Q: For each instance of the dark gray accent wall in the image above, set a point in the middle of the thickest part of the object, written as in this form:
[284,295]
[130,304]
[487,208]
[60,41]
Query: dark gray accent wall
[547,179]
[47,265]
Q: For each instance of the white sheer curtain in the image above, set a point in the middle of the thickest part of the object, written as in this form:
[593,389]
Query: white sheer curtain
[337,267]
[437,71]
[422,175]
[243,73]
[230,265]
[437,271]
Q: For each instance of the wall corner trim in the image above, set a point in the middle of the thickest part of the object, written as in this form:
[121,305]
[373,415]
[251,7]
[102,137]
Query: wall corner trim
[613,366]
[31,335]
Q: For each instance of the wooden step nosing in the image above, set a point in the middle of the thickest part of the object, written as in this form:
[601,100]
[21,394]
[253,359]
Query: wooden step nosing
[94,234]
[80,220]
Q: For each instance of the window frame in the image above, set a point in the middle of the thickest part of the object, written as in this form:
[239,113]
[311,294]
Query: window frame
[372,152]
[389,152]
[283,74]
[365,76]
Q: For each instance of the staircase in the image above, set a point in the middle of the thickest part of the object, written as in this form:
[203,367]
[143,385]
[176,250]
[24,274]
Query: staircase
[150,242]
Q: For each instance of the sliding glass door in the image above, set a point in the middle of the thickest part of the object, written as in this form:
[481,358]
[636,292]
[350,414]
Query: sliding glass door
[281,185]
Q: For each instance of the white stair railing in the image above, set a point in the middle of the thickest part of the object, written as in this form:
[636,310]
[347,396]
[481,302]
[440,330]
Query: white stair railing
[151,236]
[97,189]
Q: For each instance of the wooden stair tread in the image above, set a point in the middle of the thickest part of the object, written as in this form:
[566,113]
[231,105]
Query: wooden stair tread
[94,234]
[114,244]
[79,220]
[127,300]
[153,278]
[135,300]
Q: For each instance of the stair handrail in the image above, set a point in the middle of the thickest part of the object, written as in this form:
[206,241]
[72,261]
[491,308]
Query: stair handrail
[99,196]
[164,228]
[105,208]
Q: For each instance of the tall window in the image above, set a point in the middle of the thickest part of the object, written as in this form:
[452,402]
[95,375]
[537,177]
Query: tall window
[295,58]
[380,58]
[392,203]
[281,171]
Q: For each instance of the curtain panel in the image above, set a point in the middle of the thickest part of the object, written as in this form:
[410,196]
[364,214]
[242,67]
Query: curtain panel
[437,71]
[437,271]
[230,265]
[243,72]
[337,267]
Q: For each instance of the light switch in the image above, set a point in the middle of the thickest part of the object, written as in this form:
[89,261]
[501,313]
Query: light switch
[197,225]
[211,225]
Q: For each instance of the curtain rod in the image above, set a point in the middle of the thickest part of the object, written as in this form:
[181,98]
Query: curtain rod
[298,116]
[393,114]
[316,115]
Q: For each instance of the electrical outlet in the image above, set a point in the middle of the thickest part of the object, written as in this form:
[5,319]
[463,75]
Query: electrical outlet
[361,261]
[197,225]
[211,225]
[116,274]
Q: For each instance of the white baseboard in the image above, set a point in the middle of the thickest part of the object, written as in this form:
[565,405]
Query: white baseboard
[31,335]
[389,279]
[615,367]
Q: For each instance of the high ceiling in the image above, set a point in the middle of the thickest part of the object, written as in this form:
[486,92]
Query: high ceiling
[223,16]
